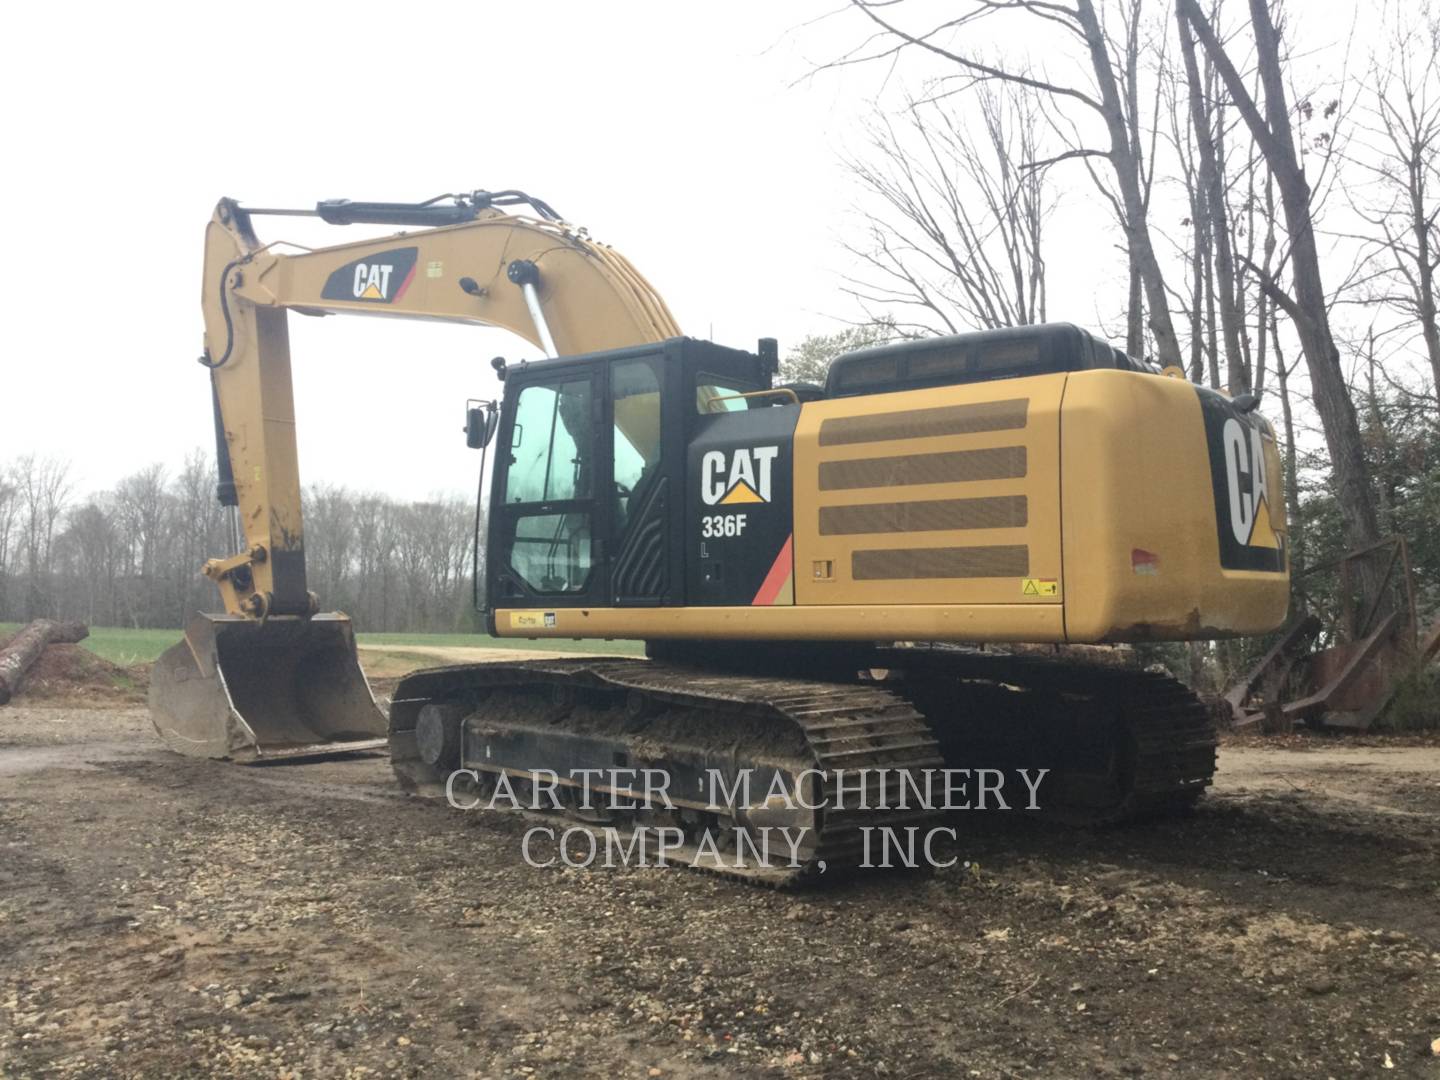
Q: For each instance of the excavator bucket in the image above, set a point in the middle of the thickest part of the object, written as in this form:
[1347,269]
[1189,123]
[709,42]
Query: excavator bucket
[255,692]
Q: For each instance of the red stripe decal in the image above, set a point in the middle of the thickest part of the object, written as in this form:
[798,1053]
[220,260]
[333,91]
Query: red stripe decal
[406,283]
[775,580]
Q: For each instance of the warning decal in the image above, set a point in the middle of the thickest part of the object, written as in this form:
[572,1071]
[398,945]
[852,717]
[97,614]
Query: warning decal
[1039,586]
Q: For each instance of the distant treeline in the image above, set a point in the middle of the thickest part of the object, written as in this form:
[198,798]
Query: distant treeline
[131,556]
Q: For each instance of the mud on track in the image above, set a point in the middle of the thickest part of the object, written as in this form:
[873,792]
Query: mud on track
[161,916]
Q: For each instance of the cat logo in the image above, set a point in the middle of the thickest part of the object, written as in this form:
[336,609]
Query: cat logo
[740,476]
[1248,484]
[372,281]
[377,279]
[1242,460]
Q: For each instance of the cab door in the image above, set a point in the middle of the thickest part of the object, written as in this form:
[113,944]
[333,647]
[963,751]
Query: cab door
[547,510]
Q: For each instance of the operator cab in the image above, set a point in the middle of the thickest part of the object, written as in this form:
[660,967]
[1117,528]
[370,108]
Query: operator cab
[976,357]
[588,499]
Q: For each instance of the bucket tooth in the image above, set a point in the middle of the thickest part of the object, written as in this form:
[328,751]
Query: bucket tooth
[251,692]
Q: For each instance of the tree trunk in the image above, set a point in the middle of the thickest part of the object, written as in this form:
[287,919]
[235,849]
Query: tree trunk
[1378,436]
[1262,301]
[1322,356]
[26,647]
[1135,314]
[1125,158]
[1212,345]
[1331,395]
[1216,217]
[1197,277]
[1292,479]
[1424,272]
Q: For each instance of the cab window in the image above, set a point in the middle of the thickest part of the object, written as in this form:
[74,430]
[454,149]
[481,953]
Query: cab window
[719,394]
[550,444]
[552,552]
[635,394]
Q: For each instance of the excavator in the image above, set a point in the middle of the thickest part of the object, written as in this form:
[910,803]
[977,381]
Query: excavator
[840,587]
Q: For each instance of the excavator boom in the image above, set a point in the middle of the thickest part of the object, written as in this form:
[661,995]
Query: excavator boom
[272,677]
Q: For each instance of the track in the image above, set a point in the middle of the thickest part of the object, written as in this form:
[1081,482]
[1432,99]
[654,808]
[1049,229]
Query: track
[600,714]
[1122,744]
[1119,745]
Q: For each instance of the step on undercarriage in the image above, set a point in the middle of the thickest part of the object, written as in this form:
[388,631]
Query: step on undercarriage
[778,780]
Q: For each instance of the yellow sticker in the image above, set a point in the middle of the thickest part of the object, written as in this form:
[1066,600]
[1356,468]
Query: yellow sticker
[435,268]
[532,620]
[1040,586]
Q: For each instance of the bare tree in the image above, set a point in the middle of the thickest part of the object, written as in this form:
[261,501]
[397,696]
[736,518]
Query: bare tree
[958,214]
[1211,208]
[201,530]
[1266,271]
[1198,307]
[145,512]
[376,541]
[131,555]
[1402,129]
[1308,307]
[1115,102]
[91,543]
[1283,372]
[9,518]
[43,488]
[440,531]
[330,541]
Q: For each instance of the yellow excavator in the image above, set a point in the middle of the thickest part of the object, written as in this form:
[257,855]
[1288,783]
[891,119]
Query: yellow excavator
[851,580]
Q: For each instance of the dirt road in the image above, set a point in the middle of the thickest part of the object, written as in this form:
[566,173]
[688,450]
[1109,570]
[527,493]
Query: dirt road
[162,916]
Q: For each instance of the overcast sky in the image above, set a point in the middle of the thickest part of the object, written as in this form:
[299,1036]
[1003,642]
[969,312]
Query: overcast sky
[674,131]
[668,129]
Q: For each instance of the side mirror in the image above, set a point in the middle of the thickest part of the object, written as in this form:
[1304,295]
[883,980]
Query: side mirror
[480,423]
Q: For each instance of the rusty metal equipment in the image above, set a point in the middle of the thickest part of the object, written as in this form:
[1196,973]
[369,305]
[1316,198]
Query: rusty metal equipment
[1342,673]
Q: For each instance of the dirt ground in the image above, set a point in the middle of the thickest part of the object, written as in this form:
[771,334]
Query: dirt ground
[161,916]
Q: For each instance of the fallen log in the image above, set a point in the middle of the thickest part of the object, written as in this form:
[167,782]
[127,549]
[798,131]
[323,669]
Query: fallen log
[26,647]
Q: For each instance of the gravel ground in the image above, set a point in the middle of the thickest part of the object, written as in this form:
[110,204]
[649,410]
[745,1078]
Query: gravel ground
[161,916]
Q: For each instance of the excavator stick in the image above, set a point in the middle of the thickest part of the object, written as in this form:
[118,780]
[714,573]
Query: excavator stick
[255,692]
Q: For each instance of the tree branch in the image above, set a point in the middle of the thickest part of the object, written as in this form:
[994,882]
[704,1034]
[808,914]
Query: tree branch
[866,6]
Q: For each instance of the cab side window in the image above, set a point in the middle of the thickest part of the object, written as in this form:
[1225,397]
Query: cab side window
[551,462]
[635,393]
[550,445]
[721,394]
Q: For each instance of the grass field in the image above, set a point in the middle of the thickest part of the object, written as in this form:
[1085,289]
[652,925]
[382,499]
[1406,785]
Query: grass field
[123,646]
[119,644]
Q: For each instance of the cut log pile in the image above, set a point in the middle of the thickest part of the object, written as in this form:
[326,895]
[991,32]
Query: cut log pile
[25,648]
